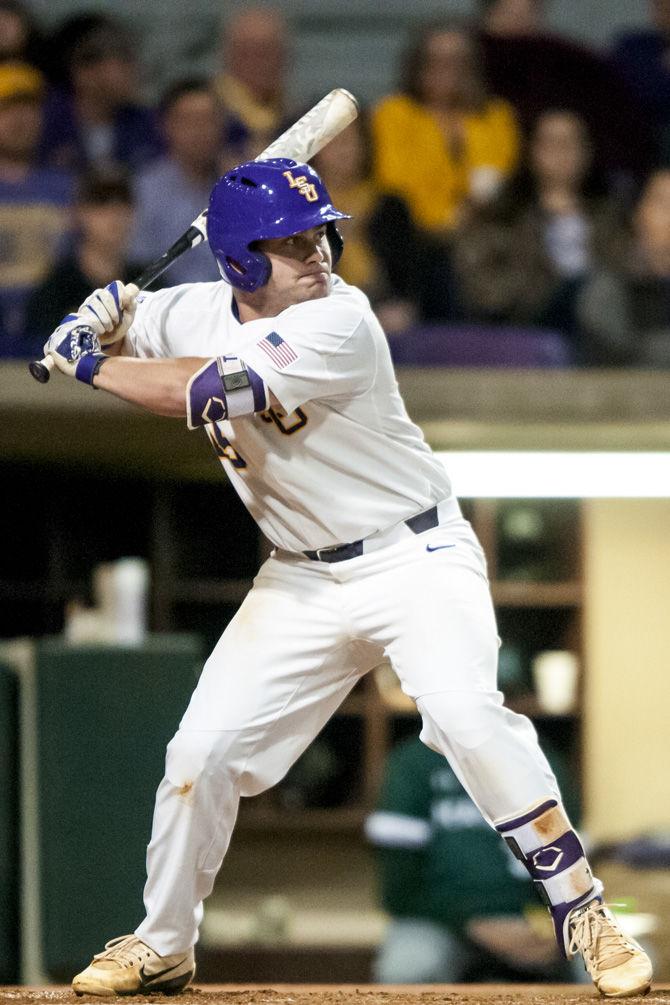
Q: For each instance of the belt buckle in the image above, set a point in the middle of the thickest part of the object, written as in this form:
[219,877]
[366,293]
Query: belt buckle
[327,551]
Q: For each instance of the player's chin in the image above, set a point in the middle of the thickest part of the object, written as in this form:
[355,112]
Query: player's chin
[314,287]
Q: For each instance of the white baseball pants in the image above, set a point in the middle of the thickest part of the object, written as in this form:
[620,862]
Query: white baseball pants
[305,634]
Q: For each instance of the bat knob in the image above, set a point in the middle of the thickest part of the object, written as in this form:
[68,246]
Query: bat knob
[40,372]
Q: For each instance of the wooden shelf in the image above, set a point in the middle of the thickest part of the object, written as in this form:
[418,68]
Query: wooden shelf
[197,583]
[42,589]
[354,704]
[527,704]
[509,593]
[340,819]
[21,591]
[209,591]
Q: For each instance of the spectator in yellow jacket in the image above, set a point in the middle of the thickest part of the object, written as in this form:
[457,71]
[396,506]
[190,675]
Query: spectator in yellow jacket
[443,141]
[403,271]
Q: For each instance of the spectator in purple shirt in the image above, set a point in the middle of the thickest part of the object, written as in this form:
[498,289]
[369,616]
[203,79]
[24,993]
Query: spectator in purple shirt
[34,201]
[643,59]
[94,119]
[172,191]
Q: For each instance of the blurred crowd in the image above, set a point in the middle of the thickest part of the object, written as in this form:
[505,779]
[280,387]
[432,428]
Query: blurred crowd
[514,180]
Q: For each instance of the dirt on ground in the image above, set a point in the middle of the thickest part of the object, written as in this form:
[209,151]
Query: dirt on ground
[481,994]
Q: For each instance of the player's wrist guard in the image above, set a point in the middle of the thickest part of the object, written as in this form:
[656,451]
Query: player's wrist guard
[88,367]
[224,388]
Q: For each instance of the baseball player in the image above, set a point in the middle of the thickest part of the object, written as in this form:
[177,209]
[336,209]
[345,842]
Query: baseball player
[287,370]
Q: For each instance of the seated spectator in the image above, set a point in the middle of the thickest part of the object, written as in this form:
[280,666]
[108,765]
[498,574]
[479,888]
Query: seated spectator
[643,59]
[522,259]
[443,140]
[103,218]
[19,37]
[514,18]
[624,313]
[95,119]
[461,906]
[536,71]
[34,201]
[251,86]
[384,254]
[174,189]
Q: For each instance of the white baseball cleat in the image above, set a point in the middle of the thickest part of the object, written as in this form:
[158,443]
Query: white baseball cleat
[618,966]
[129,967]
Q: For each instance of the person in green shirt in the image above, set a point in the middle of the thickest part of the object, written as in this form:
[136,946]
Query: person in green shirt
[461,906]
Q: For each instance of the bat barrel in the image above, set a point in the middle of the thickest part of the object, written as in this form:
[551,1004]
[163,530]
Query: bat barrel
[316,128]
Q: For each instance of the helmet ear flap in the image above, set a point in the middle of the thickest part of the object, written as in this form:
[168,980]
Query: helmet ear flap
[335,241]
[264,267]
[253,271]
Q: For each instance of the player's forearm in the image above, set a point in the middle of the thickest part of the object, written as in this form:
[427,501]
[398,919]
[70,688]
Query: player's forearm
[158,385]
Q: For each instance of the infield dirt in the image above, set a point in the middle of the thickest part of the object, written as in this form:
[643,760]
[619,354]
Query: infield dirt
[473,994]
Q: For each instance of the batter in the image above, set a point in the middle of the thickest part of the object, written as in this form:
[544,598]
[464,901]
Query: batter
[287,370]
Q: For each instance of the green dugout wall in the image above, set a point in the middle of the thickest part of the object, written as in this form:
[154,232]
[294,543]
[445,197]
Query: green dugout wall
[99,718]
[9,827]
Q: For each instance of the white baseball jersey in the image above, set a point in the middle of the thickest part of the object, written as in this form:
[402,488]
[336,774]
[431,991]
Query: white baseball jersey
[338,462]
[341,459]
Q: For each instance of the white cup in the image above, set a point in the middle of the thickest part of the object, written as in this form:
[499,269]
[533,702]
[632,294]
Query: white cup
[272,921]
[555,675]
[130,581]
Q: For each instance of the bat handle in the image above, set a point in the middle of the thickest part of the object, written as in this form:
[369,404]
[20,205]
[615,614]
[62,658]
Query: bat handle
[196,234]
[42,370]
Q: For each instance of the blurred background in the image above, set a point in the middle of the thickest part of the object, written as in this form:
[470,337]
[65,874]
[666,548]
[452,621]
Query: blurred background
[509,181]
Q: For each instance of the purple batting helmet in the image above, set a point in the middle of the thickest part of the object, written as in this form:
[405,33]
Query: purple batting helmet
[260,200]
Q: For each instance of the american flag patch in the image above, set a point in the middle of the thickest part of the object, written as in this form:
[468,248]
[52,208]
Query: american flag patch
[279,351]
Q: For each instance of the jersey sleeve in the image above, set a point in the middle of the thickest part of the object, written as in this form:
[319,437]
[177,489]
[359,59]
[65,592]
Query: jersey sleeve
[312,351]
[147,336]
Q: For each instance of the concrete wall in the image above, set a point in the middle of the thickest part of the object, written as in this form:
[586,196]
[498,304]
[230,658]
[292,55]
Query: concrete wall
[627,682]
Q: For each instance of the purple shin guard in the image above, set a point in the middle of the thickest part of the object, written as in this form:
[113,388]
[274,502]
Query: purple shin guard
[551,851]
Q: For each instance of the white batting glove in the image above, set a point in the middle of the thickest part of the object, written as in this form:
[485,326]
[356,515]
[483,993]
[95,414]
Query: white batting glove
[75,349]
[110,311]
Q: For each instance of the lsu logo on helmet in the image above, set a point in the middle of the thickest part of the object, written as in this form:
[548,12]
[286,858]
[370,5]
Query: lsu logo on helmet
[303,186]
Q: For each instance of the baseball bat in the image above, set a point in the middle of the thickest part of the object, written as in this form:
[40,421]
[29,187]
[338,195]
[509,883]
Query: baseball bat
[300,142]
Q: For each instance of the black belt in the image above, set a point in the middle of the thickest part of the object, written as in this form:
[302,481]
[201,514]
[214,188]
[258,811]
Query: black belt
[341,552]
